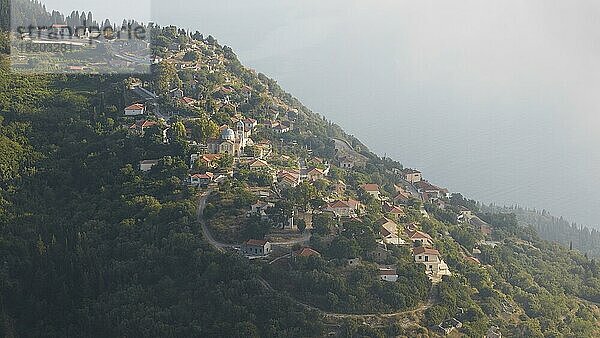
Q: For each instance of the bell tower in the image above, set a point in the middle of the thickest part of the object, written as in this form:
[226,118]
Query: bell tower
[240,136]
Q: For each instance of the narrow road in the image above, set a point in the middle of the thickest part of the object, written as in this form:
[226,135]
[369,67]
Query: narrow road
[222,246]
[205,232]
[421,308]
[344,148]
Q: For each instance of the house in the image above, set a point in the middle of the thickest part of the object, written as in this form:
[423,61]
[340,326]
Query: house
[434,265]
[440,204]
[388,230]
[449,325]
[315,174]
[346,162]
[224,90]
[187,101]
[395,211]
[201,179]
[135,109]
[340,208]
[256,247]
[146,165]
[288,180]
[419,237]
[306,252]
[319,161]
[430,192]
[260,208]
[355,205]
[208,160]
[258,164]
[478,223]
[371,189]
[281,129]
[388,275]
[464,214]
[412,175]
[402,198]
[249,123]
[140,126]
[271,124]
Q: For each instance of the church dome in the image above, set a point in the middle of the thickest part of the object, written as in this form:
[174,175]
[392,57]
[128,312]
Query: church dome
[228,134]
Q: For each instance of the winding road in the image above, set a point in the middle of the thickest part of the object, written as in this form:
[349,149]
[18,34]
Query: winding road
[222,246]
[205,232]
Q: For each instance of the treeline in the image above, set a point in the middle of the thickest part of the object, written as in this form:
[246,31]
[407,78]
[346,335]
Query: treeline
[556,229]
[33,12]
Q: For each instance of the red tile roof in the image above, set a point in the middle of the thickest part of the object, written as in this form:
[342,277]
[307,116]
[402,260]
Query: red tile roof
[426,186]
[259,163]
[256,242]
[136,106]
[396,210]
[409,171]
[370,187]
[353,203]
[143,124]
[418,235]
[187,100]
[315,171]
[210,157]
[387,272]
[206,175]
[307,252]
[402,197]
[384,220]
[427,251]
[338,204]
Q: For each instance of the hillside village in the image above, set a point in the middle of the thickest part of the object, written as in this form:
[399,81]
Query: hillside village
[276,192]
[203,200]
[236,145]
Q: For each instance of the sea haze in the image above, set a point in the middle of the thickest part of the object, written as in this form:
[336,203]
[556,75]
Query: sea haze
[495,99]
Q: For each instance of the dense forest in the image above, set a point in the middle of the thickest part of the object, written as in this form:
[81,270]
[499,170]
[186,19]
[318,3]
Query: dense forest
[90,247]
[557,229]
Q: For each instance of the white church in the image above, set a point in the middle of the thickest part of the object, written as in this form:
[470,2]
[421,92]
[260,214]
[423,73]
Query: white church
[231,142]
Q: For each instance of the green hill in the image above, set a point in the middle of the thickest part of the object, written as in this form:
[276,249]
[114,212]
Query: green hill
[90,245]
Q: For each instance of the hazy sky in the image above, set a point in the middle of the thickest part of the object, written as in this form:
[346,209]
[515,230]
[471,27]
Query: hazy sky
[496,99]
[115,10]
